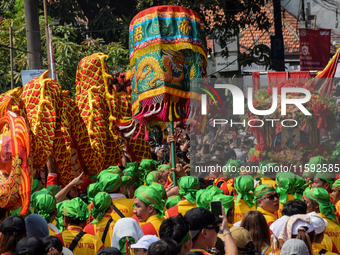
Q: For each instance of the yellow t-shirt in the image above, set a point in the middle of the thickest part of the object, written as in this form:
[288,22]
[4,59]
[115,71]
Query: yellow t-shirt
[319,246]
[152,225]
[97,229]
[241,208]
[181,208]
[87,245]
[125,205]
[51,232]
[270,217]
[332,230]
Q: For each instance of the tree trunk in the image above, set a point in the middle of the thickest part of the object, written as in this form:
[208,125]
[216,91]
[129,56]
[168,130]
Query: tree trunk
[33,34]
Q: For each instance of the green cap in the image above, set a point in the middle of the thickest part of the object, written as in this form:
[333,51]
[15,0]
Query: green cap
[244,185]
[321,196]
[233,167]
[150,195]
[76,208]
[262,190]
[227,202]
[284,185]
[92,190]
[101,202]
[172,201]
[109,182]
[188,187]
[44,205]
[327,177]
[151,178]
[203,196]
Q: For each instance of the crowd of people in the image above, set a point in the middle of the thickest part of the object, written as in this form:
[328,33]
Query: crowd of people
[135,208]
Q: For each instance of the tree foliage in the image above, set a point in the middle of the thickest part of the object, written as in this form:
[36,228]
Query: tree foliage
[223,18]
[67,52]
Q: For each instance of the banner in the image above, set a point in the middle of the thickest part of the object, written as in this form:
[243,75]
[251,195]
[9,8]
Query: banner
[314,48]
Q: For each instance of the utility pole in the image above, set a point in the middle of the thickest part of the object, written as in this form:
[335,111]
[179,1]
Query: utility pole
[277,40]
[33,34]
[47,36]
[303,13]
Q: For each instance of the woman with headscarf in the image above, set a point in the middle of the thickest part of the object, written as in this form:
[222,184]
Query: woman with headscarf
[149,209]
[188,187]
[102,225]
[45,205]
[317,200]
[244,192]
[75,213]
[126,232]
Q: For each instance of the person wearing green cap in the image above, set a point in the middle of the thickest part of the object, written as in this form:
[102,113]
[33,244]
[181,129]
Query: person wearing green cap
[324,180]
[267,202]
[75,213]
[133,183]
[45,205]
[312,167]
[146,166]
[203,196]
[59,218]
[188,187]
[172,201]
[244,196]
[336,197]
[153,176]
[229,207]
[317,200]
[289,186]
[149,209]
[92,190]
[103,224]
[114,185]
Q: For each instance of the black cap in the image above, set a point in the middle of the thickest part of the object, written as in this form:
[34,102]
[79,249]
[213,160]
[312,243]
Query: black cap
[13,226]
[52,242]
[109,251]
[198,219]
[30,246]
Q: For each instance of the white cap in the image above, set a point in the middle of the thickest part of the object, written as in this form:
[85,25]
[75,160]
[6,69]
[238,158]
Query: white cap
[298,224]
[318,222]
[145,242]
[277,225]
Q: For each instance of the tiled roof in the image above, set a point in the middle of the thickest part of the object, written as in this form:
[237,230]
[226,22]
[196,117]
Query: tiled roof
[251,36]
